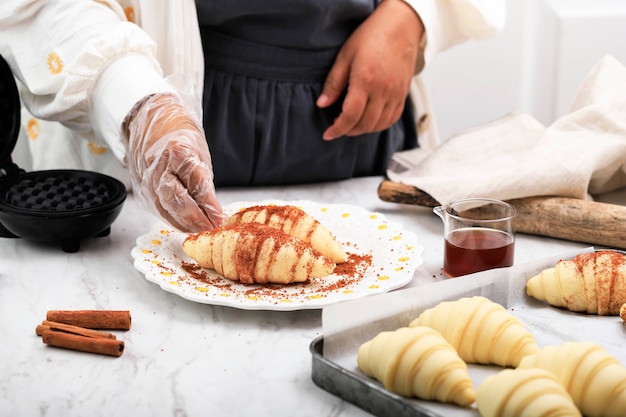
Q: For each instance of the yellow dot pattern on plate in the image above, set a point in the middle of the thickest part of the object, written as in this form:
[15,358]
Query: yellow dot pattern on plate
[161,240]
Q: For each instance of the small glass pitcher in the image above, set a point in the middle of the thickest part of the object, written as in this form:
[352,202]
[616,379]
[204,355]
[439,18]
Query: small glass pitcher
[479,235]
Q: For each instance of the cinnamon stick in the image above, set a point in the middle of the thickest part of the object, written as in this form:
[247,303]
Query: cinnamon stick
[68,328]
[100,345]
[92,319]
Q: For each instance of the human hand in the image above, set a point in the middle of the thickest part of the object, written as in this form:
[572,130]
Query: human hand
[376,66]
[170,164]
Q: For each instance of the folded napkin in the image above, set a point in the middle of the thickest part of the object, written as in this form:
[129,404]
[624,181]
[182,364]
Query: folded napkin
[581,154]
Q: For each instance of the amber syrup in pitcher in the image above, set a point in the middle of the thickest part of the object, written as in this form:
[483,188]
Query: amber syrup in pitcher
[475,249]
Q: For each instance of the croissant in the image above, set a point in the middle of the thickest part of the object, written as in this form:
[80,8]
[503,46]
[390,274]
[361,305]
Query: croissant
[483,332]
[255,253]
[622,312]
[529,392]
[595,379]
[593,283]
[417,362]
[297,223]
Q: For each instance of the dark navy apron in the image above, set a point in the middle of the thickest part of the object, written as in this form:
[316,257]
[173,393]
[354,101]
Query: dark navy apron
[266,62]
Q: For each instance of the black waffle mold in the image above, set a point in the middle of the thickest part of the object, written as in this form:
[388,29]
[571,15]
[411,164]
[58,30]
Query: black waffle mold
[64,206]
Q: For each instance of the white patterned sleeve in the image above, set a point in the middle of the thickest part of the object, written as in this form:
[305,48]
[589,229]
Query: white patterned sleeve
[450,22]
[81,63]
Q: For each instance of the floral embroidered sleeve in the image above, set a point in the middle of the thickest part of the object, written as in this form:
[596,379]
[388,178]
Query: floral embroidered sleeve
[81,63]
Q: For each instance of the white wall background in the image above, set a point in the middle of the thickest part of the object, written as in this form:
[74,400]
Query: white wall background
[535,65]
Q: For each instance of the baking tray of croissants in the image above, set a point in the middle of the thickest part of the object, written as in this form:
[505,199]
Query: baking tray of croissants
[541,339]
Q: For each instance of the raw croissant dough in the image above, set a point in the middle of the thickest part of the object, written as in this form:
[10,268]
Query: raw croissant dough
[482,331]
[256,253]
[595,379]
[417,362]
[529,392]
[593,283]
[297,223]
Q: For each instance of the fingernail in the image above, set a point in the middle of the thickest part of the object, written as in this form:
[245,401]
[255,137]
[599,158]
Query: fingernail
[322,100]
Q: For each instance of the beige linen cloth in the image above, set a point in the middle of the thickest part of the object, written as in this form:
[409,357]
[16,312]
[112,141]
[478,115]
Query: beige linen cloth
[581,154]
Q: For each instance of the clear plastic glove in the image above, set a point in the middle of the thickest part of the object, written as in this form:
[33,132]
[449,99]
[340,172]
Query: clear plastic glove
[170,164]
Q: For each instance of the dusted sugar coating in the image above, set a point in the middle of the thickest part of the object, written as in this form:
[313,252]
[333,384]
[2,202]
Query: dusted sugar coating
[595,379]
[593,283]
[483,332]
[529,392]
[417,362]
[256,253]
[295,222]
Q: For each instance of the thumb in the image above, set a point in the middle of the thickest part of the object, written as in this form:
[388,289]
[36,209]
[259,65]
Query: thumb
[336,82]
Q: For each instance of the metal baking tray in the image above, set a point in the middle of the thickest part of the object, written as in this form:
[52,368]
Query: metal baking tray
[362,392]
[335,370]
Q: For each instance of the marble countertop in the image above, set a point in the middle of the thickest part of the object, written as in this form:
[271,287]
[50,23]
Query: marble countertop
[181,358]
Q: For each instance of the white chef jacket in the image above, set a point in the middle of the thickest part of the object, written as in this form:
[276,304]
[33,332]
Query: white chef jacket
[82,65]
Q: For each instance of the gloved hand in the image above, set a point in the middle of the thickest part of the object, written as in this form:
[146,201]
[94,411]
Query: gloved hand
[170,164]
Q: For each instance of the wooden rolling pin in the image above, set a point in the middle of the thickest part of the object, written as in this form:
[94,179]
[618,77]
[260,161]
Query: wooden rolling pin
[563,218]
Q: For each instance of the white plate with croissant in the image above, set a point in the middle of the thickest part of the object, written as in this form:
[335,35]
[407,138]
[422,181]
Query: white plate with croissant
[350,253]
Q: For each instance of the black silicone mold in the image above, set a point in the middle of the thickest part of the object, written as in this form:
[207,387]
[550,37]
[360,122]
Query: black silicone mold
[66,191]
[62,206]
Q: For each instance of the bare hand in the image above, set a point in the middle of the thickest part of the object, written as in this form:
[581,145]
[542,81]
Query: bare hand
[376,66]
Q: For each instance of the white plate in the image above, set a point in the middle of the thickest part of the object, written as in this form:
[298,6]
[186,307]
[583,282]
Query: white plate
[395,255]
